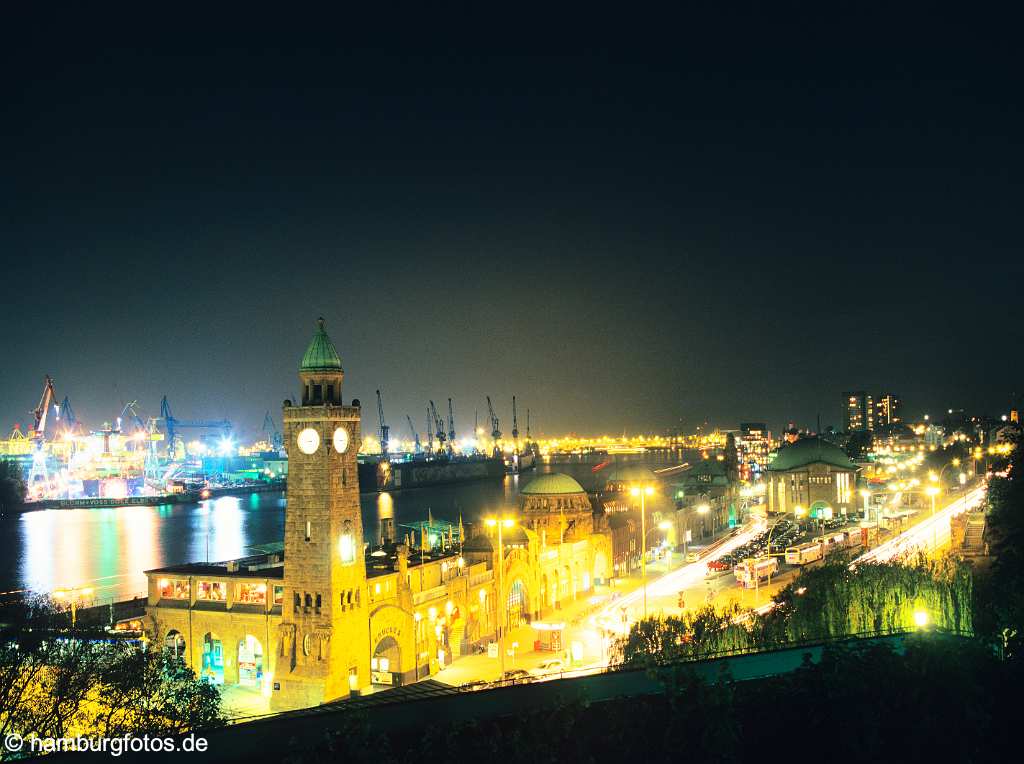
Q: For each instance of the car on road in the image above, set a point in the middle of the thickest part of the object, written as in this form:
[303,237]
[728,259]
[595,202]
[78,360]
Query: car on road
[550,666]
[516,675]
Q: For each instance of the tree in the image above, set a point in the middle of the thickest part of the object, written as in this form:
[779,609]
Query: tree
[56,682]
[12,486]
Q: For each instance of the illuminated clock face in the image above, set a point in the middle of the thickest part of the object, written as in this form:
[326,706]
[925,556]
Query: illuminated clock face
[308,440]
[341,440]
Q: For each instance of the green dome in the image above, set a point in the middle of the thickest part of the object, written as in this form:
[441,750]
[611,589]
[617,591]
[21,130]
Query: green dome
[810,451]
[321,354]
[555,483]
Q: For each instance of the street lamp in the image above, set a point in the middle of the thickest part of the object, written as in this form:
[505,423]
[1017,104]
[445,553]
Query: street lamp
[643,492]
[504,522]
[72,596]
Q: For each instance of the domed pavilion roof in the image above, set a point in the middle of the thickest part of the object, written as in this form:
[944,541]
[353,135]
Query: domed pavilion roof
[555,483]
[810,451]
[321,354]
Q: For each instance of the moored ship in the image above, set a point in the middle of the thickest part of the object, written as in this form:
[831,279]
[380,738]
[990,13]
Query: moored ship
[376,474]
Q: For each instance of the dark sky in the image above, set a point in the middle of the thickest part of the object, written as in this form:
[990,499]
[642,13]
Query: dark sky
[733,222]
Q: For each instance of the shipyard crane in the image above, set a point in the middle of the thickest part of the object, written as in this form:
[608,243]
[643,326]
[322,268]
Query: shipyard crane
[430,433]
[129,412]
[66,414]
[384,429]
[442,436]
[495,430]
[271,433]
[451,425]
[40,413]
[515,427]
[415,435]
[173,424]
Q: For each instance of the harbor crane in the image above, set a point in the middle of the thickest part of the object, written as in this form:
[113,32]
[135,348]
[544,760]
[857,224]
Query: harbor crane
[495,430]
[66,414]
[442,436]
[41,412]
[430,433]
[128,412]
[173,424]
[415,435]
[271,433]
[384,429]
[451,425]
[515,427]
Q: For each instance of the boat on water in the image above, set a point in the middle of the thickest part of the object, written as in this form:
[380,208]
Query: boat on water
[417,471]
[520,462]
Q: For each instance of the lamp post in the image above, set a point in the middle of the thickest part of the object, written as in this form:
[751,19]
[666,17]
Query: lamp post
[504,522]
[72,595]
[866,494]
[643,492]
[963,488]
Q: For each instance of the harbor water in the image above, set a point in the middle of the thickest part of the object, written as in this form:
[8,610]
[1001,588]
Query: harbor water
[107,550]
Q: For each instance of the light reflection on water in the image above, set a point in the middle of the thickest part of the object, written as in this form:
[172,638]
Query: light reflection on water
[108,549]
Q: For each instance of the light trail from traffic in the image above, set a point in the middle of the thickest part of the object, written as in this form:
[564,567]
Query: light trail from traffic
[686,576]
[927,535]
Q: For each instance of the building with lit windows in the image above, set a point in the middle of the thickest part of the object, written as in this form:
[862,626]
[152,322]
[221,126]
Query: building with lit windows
[888,410]
[812,478]
[322,615]
[858,411]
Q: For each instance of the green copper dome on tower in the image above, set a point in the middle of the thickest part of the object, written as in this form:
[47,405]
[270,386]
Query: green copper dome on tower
[321,354]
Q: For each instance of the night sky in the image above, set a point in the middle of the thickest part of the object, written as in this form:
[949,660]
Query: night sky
[729,224]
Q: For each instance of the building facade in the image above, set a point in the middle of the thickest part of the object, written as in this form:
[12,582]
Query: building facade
[323,616]
[858,411]
[888,410]
[812,478]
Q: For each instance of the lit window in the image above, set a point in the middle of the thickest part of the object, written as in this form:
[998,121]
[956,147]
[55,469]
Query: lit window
[347,548]
[211,590]
[173,589]
[252,594]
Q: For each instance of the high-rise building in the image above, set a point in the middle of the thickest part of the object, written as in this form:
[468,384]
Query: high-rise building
[888,409]
[858,411]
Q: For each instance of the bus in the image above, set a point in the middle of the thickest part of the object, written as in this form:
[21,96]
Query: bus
[750,571]
[830,542]
[805,553]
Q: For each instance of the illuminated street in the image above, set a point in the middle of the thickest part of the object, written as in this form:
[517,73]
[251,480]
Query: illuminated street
[634,392]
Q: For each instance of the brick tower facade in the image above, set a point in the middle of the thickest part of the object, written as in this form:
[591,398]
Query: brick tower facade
[324,650]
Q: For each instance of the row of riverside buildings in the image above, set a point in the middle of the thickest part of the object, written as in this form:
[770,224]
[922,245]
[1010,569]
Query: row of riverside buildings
[321,616]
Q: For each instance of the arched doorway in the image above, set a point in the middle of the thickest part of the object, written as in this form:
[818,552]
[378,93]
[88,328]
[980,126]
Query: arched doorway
[821,510]
[518,607]
[250,662]
[600,568]
[174,644]
[386,662]
[212,666]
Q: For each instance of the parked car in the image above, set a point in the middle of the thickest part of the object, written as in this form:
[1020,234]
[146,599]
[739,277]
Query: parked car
[550,666]
[516,675]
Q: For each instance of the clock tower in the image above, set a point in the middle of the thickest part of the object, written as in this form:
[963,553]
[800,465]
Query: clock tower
[324,637]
